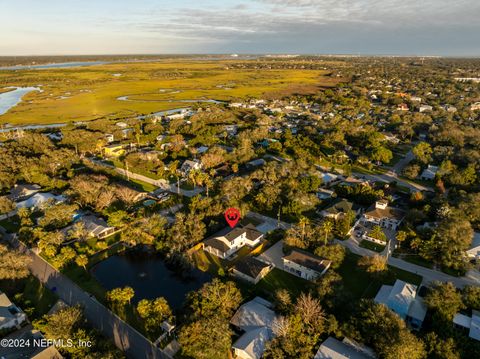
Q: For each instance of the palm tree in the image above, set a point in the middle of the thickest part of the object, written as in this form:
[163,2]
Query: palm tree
[327,228]
[302,223]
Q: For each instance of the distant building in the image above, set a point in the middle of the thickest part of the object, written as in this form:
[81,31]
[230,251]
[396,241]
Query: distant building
[347,349]
[429,173]
[256,163]
[472,324]
[425,108]
[339,208]
[23,191]
[95,227]
[190,165]
[305,265]
[11,316]
[109,137]
[251,269]
[114,150]
[474,250]
[228,244]
[475,106]
[402,107]
[402,298]
[383,215]
[324,193]
[39,200]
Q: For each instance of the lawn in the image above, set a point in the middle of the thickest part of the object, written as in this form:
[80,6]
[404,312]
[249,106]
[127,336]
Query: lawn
[364,285]
[207,262]
[30,295]
[278,279]
[372,246]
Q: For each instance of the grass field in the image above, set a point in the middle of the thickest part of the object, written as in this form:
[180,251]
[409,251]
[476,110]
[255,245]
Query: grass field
[87,93]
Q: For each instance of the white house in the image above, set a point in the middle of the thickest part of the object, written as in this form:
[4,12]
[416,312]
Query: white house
[425,108]
[383,215]
[339,208]
[347,349]
[23,191]
[429,173]
[402,298]
[472,324]
[254,320]
[40,199]
[305,265]
[10,315]
[190,165]
[95,227]
[226,245]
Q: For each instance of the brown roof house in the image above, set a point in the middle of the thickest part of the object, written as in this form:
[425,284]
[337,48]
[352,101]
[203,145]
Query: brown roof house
[383,215]
[251,269]
[228,244]
[305,265]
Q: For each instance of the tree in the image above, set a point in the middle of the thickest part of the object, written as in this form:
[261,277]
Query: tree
[386,332]
[452,238]
[82,261]
[13,264]
[58,216]
[120,296]
[445,300]
[422,152]
[375,264]
[471,297]
[154,312]
[382,154]
[6,205]
[378,233]
[215,298]
[438,348]
[327,228]
[334,252]
[206,338]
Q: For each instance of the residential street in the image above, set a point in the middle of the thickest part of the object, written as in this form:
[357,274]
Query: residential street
[125,337]
[429,275]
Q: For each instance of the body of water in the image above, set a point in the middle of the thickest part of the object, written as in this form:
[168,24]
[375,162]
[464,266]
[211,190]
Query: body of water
[149,277]
[54,66]
[13,98]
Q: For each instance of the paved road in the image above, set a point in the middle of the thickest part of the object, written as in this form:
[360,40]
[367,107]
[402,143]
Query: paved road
[125,337]
[400,165]
[161,183]
[429,275]
[390,177]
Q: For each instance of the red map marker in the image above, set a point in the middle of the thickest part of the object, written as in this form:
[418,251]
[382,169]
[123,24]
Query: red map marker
[232,215]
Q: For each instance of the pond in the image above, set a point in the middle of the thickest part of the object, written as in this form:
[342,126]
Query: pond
[58,65]
[149,277]
[12,98]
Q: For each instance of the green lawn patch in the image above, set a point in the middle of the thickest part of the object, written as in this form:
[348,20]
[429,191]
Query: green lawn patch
[206,262]
[85,281]
[144,186]
[279,279]
[365,285]
[372,246]
[30,295]
[416,259]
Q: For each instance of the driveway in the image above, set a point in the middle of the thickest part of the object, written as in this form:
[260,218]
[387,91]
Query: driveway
[273,255]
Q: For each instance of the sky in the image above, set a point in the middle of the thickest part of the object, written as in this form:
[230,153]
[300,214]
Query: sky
[379,27]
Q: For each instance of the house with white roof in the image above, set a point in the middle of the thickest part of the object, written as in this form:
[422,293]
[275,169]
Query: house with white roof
[11,316]
[402,299]
[347,349]
[225,245]
[190,165]
[254,320]
[96,227]
[474,250]
[40,199]
[472,324]
[429,173]
[383,215]
[23,191]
